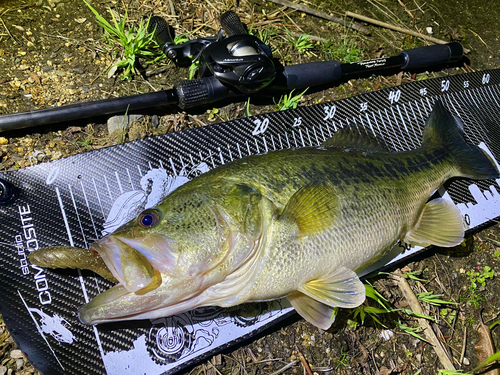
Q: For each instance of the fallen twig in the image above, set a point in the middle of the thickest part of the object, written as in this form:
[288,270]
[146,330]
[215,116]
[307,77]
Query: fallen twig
[284,368]
[429,333]
[317,13]
[311,37]
[307,368]
[464,345]
[172,8]
[397,28]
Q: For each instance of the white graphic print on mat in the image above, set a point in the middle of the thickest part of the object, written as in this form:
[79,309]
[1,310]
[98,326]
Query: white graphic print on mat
[155,185]
[179,336]
[55,326]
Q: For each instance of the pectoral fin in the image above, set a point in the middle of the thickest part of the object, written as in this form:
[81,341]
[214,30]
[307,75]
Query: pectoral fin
[441,224]
[312,208]
[316,299]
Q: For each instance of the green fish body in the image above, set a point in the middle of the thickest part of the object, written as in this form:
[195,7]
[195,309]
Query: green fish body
[297,223]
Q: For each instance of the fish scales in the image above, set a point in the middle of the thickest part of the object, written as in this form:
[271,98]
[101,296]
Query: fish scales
[382,210]
[298,223]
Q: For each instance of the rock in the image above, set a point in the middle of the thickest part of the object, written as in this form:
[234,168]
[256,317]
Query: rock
[19,364]
[47,68]
[155,121]
[16,354]
[121,122]
[4,141]
[3,370]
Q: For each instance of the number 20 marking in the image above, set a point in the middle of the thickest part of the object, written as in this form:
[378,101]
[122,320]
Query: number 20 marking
[260,126]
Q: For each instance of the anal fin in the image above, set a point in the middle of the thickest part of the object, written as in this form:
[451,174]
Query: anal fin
[441,224]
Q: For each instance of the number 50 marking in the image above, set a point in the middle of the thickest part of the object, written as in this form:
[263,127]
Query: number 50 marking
[260,126]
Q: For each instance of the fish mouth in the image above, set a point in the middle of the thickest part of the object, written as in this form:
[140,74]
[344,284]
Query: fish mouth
[117,303]
[137,263]
[129,266]
[144,268]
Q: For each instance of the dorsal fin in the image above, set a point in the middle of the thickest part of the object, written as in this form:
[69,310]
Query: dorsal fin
[359,139]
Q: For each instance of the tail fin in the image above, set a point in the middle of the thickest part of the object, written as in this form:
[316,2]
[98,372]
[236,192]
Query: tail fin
[444,130]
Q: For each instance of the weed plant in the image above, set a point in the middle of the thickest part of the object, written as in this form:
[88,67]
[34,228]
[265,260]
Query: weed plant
[136,42]
[289,101]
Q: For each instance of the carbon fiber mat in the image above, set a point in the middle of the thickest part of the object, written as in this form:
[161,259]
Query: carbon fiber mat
[75,200]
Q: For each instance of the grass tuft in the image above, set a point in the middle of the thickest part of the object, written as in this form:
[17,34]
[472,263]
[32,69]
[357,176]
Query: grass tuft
[136,42]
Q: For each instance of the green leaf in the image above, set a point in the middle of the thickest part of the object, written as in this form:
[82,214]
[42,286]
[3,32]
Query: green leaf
[413,313]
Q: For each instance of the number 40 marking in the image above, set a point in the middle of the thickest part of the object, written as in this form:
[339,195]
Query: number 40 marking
[394,96]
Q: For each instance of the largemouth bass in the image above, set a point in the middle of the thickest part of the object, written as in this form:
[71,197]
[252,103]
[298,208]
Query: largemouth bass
[298,223]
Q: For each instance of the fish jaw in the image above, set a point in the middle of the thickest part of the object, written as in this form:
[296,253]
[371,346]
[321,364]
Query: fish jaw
[117,303]
[137,263]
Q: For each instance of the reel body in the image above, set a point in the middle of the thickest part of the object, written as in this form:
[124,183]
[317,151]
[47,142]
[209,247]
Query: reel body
[240,61]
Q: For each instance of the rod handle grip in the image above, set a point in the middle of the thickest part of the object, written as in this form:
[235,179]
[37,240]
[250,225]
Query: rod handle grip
[432,55]
[199,92]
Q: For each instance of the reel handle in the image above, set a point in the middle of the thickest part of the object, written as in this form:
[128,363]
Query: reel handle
[231,24]
[161,30]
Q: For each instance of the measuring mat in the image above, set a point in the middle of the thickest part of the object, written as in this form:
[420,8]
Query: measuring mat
[78,199]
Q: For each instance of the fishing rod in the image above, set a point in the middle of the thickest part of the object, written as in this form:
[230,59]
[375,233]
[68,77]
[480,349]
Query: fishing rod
[231,66]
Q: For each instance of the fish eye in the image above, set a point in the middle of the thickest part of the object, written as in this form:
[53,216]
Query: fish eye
[148,218]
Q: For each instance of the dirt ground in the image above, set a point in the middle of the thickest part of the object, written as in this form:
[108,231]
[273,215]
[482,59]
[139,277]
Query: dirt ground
[53,53]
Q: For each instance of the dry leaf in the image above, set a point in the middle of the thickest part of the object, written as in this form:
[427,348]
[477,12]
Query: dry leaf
[80,20]
[35,78]
[74,129]
[484,347]
[385,371]
[405,269]
[112,71]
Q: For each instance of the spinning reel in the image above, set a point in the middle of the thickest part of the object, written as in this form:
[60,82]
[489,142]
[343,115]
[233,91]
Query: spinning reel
[238,60]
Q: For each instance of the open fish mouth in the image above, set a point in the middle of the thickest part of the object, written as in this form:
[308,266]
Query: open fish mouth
[138,263]
[128,265]
[149,286]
